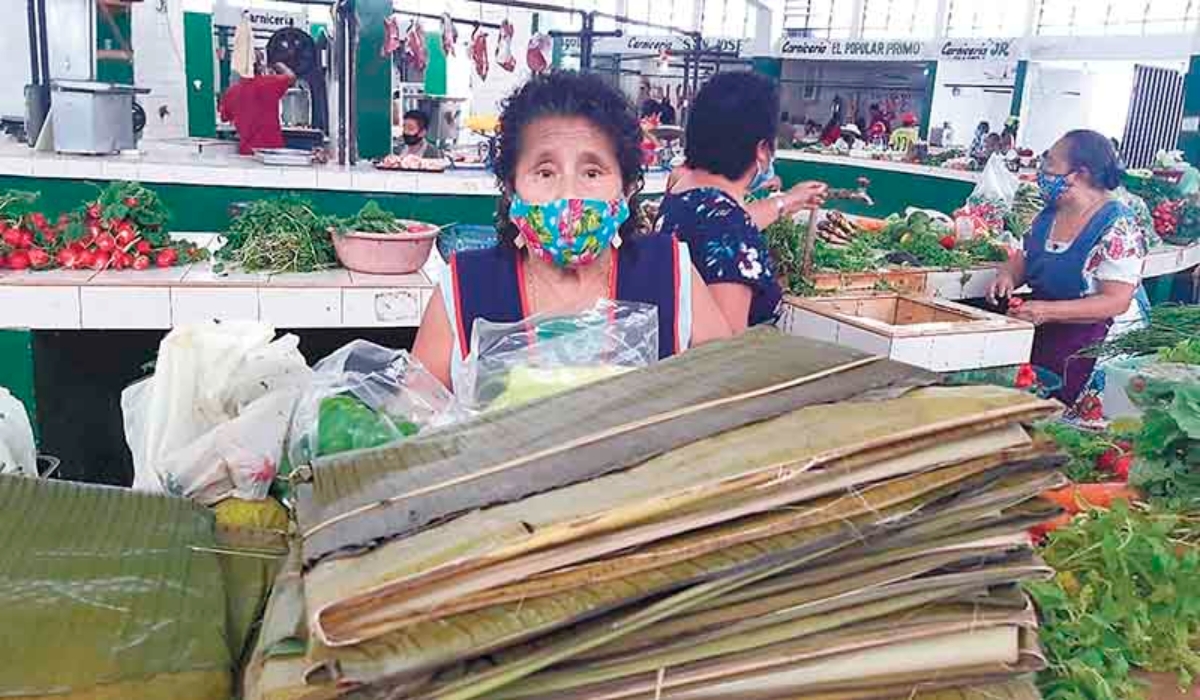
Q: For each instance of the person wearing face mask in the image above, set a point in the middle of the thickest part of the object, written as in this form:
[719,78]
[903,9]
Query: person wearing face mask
[730,151]
[1082,258]
[416,132]
[569,168]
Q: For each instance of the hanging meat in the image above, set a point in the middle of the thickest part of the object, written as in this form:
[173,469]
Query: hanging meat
[391,35]
[504,54]
[416,52]
[479,52]
[449,35]
[538,55]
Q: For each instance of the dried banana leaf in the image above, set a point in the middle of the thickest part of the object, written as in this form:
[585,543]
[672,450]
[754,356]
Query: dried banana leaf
[391,580]
[107,592]
[573,437]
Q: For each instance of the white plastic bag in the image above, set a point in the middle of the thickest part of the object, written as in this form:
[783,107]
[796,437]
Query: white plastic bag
[18,453]
[513,363]
[997,183]
[365,395]
[212,420]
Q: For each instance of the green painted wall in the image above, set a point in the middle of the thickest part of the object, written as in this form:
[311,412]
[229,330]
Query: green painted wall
[206,208]
[198,63]
[1018,97]
[435,72]
[373,92]
[772,67]
[16,367]
[892,191]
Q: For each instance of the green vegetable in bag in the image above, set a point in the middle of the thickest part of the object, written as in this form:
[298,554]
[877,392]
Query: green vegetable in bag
[345,423]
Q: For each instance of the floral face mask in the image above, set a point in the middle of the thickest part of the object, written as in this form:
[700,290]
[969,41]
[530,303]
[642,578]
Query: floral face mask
[569,232]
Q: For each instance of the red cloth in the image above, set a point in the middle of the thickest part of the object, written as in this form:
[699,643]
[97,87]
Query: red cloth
[252,104]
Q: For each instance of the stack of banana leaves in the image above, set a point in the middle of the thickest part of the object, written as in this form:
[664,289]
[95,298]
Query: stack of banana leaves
[765,518]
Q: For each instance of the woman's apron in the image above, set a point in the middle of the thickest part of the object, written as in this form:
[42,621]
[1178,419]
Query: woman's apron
[1058,276]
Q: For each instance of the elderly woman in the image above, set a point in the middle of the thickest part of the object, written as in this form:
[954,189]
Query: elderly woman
[1082,258]
[730,152]
[569,166]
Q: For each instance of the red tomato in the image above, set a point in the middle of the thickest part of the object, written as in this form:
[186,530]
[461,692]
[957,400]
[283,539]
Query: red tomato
[948,241]
[141,262]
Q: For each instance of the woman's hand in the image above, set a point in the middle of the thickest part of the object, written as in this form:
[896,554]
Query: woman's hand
[805,195]
[1035,312]
[1002,287]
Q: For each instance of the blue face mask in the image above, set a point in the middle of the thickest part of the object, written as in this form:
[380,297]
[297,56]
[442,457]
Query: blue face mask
[1052,187]
[762,177]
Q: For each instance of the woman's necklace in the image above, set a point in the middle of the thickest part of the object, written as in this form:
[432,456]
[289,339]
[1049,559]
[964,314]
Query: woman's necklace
[543,299]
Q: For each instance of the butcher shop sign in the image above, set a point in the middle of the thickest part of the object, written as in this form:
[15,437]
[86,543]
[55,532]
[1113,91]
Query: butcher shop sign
[973,50]
[655,45]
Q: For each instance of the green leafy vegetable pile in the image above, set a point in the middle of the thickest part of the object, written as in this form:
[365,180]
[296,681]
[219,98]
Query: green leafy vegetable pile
[1127,595]
[1168,326]
[373,218]
[1167,464]
[280,235]
[1093,455]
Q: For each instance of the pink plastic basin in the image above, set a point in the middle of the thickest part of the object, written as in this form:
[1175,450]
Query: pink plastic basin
[386,253]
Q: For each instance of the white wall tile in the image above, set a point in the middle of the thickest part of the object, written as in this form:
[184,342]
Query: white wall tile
[39,307]
[375,307]
[199,304]
[300,307]
[125,307]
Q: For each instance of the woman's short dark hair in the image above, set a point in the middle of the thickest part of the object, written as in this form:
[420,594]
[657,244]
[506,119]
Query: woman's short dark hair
[567,94]
[1093,152]
[421,118]
[731,115]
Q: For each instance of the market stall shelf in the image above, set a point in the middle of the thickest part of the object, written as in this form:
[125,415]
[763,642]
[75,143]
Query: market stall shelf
[935,334]
[161,299]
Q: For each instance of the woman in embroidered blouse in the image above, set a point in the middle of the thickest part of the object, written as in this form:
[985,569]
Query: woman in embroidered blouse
[730,148]
[1082,258]
[569,168]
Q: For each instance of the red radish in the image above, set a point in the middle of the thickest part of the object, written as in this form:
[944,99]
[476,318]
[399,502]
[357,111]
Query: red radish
[1015,303]
[143,247]
[93,211]
[166,258]
[93,230]
[26,239]
[105,242]
[18,260]
[1122,465]
[1107,461]
[12,237]
[124,237]
[1137,385]
[39,258]
[131,201]
[64,219]
[38,219]
[101,260]
[3,261]
[119,261]
[68,258]
[1026,377]
[948,241]
[141,262]
[85,259]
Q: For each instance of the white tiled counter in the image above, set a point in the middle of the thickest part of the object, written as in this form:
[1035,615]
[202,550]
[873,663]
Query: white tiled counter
[162,299]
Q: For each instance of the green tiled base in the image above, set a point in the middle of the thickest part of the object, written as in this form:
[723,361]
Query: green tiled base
[16,367]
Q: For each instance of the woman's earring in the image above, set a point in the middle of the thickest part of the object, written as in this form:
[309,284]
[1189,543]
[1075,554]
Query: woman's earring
[519,241]
[616,240]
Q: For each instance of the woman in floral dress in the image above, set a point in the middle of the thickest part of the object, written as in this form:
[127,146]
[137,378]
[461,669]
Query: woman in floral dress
[730,147]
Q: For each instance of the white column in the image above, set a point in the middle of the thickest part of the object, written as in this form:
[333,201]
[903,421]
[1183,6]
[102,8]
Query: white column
[856,18]
[943,16]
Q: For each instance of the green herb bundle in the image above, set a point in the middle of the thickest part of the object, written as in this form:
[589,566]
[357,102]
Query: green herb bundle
[280,235]
[373,218]
[1127,595]
[1168,326]
[15,205]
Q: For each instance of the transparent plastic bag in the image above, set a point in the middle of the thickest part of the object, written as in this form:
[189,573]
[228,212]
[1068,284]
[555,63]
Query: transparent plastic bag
[365,395]
[18,453]
[211,422]
[1155,384]
[513,363]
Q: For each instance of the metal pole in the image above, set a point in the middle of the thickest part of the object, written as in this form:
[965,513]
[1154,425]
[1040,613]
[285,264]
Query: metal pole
[43,46]
[352,78]
[35,68]
[585,42]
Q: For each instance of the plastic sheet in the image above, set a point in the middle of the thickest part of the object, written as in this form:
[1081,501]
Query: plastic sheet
[365,395]
[18,453]
[513,363]
[1156,384]
[212,420]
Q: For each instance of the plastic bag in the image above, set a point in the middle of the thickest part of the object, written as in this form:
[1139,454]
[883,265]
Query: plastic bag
[365,395]
[992,199]
[212,420]
[18,452]
[1154,385]
[513,363]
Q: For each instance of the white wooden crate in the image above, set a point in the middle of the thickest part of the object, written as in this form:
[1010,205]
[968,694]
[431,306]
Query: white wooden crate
[932,333]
